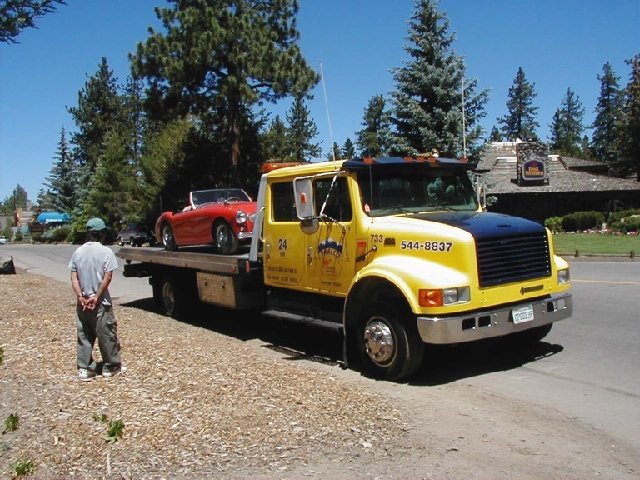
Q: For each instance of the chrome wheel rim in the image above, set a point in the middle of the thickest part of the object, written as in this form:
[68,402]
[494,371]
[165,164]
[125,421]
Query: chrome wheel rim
[379,341]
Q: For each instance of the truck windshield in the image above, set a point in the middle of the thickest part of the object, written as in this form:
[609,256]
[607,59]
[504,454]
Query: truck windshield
[395,192]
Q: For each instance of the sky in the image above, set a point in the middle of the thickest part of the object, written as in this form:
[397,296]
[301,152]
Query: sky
[356,44]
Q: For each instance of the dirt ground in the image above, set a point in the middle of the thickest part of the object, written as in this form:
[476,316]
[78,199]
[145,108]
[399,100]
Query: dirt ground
[206,399]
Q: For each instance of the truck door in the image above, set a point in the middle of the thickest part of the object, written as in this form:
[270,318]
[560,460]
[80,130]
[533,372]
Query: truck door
[329,254]
[283,242]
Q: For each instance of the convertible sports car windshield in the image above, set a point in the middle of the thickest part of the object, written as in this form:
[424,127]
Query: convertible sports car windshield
[388,192]
[217,195]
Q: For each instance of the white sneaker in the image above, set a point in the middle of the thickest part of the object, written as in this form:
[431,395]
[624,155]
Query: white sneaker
[110,372]
[86,375]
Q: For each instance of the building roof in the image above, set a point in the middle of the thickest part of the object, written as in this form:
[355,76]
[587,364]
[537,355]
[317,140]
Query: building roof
[499,163]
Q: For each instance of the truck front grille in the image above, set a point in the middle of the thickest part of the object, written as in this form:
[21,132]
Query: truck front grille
[512,259]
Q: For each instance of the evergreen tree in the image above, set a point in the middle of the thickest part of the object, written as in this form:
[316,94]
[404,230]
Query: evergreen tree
[98,111]
[219,58]
[520,121]
[348,149]
[61,182]
[428,99]
[566,127]
[334,153]
[302,130]
[608,114]
[629,128]
[16,15]
[495,135]
[17,199]
[376,138]
[275,143]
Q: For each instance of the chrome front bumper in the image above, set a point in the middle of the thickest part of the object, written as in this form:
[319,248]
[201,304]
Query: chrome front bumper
[493,323]
[244,236]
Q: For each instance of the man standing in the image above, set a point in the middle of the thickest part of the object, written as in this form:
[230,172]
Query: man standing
[92,267]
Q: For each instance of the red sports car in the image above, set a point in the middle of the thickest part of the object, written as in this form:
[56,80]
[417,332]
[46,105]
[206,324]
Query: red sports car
[221,217]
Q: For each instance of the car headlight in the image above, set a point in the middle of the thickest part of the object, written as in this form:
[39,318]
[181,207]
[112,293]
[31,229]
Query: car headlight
[241,217]
[563,276]
[444,296]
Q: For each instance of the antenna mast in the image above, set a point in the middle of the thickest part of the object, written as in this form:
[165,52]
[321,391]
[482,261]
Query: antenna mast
[326,107]
[464,127]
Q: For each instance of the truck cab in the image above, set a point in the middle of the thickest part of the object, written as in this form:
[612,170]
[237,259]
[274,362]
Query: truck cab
[400,253]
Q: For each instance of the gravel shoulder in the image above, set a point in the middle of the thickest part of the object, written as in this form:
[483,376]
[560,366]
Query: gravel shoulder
[196,402]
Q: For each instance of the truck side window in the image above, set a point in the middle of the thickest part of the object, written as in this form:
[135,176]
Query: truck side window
[338,205]
[282,202]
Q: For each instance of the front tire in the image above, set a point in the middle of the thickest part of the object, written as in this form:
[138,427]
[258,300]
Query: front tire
[168,240]
[226,241]
[388,346]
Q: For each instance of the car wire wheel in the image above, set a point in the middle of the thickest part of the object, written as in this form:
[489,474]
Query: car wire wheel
[225,239]
[168,240]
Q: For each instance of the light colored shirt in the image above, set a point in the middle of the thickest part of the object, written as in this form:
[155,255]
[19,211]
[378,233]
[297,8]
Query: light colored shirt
[91,261]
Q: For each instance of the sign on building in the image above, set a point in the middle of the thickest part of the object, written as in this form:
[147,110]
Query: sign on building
[532,163]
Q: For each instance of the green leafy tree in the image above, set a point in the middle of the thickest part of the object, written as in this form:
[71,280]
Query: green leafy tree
[520,121]
[302,130]
[217,59]
[629,137]
[566,127]
[428,99]
[17,199]
[61,182]
[16,15]
[608,111]
[376,138]
[348,149]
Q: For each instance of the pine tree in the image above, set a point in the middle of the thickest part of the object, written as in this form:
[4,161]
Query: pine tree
[301,132]
[375,139]
[566,127]
[428,100]
[629,128]
[275,143]
[520,121]
[219,58]
[16,15]
[98,111]
[61,182]
[608,114]
[495,135]
[348,150]
[334,153]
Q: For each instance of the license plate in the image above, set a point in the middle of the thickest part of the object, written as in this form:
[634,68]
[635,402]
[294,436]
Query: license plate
[522,314]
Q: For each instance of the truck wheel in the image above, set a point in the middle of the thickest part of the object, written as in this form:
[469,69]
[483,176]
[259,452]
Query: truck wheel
[387,348]
[171,298]
[226,241]
[120,242]
[168,240]
[132,242]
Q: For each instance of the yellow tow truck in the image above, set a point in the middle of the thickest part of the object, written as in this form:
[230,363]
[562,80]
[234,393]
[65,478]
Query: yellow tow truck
[398,253]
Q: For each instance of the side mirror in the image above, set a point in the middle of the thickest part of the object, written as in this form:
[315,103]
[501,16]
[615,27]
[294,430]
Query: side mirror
[491,200]
[309,225]
[303,193]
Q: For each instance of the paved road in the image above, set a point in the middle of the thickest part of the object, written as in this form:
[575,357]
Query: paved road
[587,367]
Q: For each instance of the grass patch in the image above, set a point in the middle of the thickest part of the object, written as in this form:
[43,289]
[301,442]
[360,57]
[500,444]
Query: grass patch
[596,244]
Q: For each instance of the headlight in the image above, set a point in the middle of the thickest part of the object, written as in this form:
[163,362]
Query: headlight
[241,217]
[563,276]
[440,297]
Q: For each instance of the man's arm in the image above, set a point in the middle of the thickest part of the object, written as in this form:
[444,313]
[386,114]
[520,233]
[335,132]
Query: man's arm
[75,284]
[106,280]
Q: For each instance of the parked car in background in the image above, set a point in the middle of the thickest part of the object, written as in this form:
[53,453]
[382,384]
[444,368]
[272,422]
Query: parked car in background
[3,240]
[222,217]
[135,235]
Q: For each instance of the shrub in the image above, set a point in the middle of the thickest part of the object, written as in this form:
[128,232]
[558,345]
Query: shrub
[615,217]
[554,224]
[579,221]
[628,224]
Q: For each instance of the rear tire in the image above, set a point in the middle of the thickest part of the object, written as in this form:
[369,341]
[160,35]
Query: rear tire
[388,345]
[168,240]
[225,239]
[170,298]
